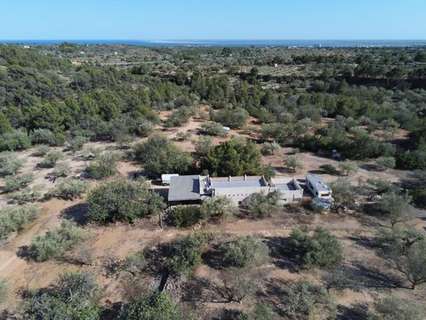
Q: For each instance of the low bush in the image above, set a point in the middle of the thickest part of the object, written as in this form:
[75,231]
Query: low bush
[9,164]
[213,129]
[14,219]
[269,148]
[157,306]
[122,200]
[233,118]
[244,252]
[3,290]
[54,244]
[15,183]
[292,163]
[321,249]
[45,136]
[305,301]
[259,205]
[144,128]
[184,255]
[347,168]
[184,216]
[27,195]
[41,151]
[74,296]
[68,189]
[62,170]
[50,159]
[179,117]
[386,163]
[217,208]
[330,169]
[104,166]
[203,145]
[392,308]
[14,140]
[76,143]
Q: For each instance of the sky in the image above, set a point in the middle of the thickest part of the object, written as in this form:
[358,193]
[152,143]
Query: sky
[212,19]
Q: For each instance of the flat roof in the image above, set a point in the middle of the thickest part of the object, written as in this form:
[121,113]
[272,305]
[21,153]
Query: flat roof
[317,182]
[184,188]
[285,184]
[238,182]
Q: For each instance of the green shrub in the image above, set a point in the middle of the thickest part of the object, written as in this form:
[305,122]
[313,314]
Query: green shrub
[392,308]
[157,306]
[15,183]
[135,263]
[9,164]
[3,290]
[213,129]
[45,136]
[55,243]
[292,163]
[104,166]
[27,195]
[244,252]
[269,148]
[69,189]
[122,200]
[262,312]
[203,145]
[50,159]
[62,170]
[184,216]
[41,150]
[217,208]
[321,249]
[179,117]
[386,162]
[184,255]
[259,205]
[305,301]
[396,207]
[144,128]
[74,296]
[159,156]
[14,219]
[330,169]
[76,143]
[14,140]
[347,168]
[233,118]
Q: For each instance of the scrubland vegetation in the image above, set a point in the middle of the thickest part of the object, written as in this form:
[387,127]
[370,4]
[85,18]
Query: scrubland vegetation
[85,230]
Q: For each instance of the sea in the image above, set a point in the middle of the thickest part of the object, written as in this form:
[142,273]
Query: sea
[232,43]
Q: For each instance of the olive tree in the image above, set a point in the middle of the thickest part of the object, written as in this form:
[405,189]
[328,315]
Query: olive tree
[319,249]
[122,200]
[406,250]
[396,207]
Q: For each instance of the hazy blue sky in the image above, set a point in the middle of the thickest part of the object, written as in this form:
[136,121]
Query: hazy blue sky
[212,19]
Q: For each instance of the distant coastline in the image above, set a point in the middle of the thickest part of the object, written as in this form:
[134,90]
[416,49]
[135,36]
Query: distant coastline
[233,43]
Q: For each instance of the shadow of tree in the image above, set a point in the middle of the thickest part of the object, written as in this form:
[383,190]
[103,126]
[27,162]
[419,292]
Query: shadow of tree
[359,276]
[77,213]
[283,254]
[355,312]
